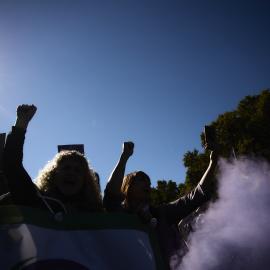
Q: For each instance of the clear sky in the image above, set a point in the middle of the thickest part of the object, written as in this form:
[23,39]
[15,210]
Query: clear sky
[104,72]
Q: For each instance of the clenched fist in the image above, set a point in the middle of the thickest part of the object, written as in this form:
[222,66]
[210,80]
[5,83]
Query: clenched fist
[24,115]
[128,148]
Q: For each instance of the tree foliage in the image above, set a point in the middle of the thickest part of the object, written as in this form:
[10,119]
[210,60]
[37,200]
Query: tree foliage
[245,131]
[197,165]
[165,192]
[241,132]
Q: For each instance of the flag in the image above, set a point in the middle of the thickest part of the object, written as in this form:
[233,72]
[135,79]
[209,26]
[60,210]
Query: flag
[35,239]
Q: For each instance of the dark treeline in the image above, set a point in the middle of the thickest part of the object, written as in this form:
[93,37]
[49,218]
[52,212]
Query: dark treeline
[241,132]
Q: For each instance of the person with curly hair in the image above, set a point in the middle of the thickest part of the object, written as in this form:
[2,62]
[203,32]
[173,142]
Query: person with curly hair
[66,183]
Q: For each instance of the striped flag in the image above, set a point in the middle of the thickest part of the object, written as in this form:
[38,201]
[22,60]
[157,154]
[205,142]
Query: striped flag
[34,239]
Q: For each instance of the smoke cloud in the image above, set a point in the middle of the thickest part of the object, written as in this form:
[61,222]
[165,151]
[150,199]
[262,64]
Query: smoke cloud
[235,233]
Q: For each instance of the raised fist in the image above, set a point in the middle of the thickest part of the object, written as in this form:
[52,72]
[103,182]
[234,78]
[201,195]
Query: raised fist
[26,112]
[128,148]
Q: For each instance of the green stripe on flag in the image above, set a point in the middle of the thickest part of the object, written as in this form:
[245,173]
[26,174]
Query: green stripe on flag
[71,221]
[80,221]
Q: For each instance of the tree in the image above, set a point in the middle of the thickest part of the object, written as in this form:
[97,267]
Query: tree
[245,131]
[241,132]
[197,165]
[165,192]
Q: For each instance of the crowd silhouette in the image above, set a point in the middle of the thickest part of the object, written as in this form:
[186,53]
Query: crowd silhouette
[68,183]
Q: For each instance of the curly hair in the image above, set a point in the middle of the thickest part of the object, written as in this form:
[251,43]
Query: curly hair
[90,199]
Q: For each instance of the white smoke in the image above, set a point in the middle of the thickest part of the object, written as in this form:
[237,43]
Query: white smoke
[235,233]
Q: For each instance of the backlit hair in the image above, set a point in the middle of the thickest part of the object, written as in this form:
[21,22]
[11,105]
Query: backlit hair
[90,199]
[129,179]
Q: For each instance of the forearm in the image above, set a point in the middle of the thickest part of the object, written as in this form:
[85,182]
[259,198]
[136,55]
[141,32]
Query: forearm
[206,180]
[116,178]
[21,123]
[13,151]
[17,178]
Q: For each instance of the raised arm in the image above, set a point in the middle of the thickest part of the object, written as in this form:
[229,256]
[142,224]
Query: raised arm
[116,179]
[19,182]
[205,181]
[187,204]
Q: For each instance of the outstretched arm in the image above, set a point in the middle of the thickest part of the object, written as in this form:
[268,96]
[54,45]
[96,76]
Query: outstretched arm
[185,205]
[205,181]
[115,181]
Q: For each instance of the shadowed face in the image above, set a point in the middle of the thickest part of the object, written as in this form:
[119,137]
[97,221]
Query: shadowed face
[69,177]
[140,190]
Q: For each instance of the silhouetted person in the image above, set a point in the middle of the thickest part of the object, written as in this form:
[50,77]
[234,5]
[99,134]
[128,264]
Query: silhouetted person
[66,183]
[132,194]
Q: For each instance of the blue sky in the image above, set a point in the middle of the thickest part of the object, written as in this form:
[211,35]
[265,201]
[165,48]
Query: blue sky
[105,72]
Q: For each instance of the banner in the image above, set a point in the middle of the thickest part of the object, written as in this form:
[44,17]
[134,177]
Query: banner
[77,147]
[34,239]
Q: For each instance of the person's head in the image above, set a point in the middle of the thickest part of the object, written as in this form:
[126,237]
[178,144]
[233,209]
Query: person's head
[68,177]
[137,188]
